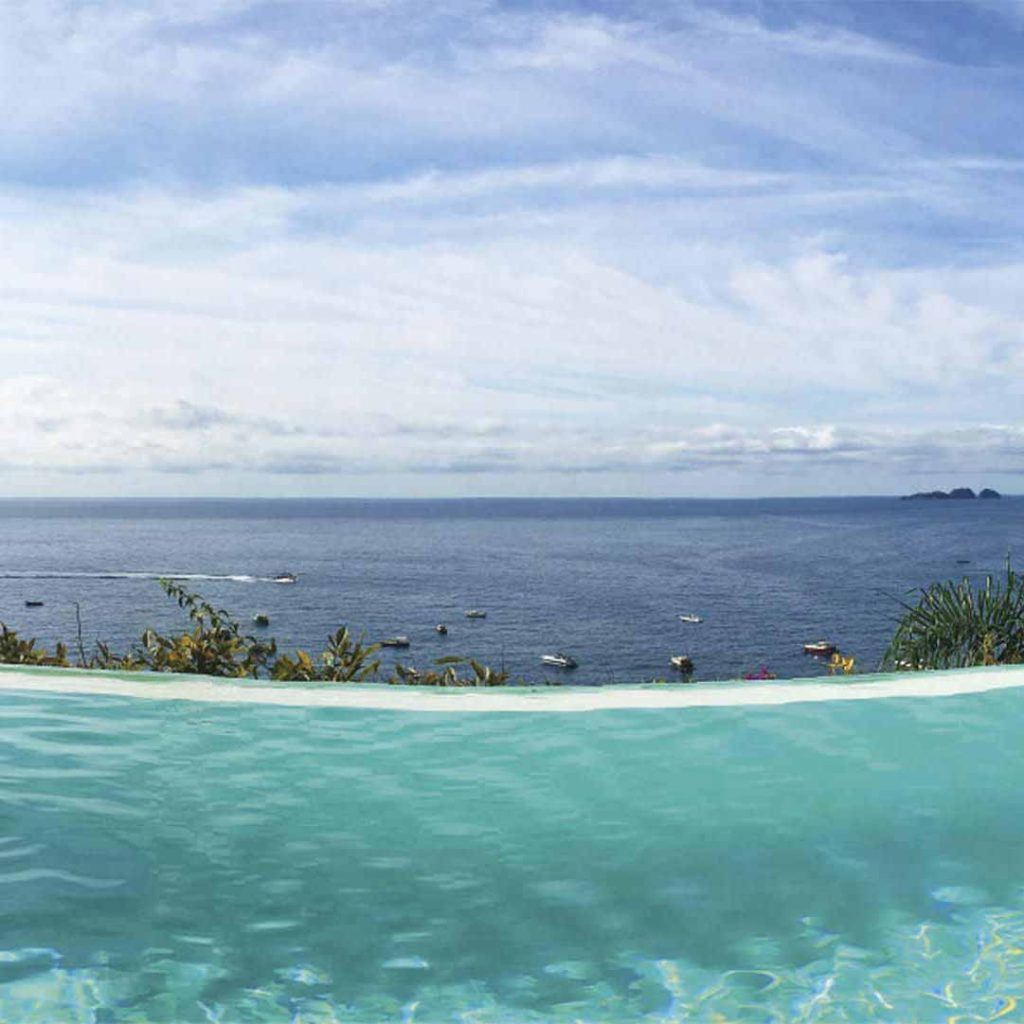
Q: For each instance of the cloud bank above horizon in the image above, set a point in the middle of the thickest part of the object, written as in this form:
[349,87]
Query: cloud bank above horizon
[377,247]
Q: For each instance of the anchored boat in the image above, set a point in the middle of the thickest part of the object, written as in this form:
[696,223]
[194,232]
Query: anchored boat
[559,660]
[395,641]
[683,663]
[475,613]
[441,629]
[261,619]
[690,618]
[820,648]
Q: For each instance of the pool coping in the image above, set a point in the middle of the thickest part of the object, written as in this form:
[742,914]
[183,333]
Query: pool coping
[380,696]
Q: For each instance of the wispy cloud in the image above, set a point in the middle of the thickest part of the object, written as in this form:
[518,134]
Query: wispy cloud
[384,246]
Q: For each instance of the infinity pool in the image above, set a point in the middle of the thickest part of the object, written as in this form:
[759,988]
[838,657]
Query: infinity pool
[820,851]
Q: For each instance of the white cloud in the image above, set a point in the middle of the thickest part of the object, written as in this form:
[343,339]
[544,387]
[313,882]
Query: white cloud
[385,238]
[207,335]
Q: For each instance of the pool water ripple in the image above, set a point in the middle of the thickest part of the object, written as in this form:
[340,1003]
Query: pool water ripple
[825,861]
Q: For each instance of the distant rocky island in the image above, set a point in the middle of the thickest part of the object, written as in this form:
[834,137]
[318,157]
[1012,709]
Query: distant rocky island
[957,494]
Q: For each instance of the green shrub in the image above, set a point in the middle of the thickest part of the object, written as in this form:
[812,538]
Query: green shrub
[481,675]
[25,652]
[345,661]
[216,646]
[958,625]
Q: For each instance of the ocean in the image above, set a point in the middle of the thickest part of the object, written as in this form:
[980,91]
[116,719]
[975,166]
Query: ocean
[604,580]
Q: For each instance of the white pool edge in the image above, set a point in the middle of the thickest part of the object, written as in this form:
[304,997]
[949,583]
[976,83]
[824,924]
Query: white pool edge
[206,690]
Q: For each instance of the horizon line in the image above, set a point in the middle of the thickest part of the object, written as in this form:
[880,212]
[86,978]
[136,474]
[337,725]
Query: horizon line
[464,498]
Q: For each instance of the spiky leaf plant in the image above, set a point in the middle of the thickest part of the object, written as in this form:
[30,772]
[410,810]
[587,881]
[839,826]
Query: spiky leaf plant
[958,624]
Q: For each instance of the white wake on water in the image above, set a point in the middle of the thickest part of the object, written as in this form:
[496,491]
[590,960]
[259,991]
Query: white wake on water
[131,575]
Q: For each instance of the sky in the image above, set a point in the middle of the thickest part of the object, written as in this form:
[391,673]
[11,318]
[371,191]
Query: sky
[510,247]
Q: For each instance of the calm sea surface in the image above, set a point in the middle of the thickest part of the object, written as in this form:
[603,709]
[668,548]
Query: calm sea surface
[604,580]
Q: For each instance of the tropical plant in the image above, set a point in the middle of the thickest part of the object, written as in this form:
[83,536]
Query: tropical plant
[14,651]
[215,646]
[481,675]
[345,661]
[108,661]
[958,624]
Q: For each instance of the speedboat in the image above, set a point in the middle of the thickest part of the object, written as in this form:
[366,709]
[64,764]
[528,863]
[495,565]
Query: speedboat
[261,619]
[441,628]
[683,663]
[820,648]
[395,641]
[690,618]
[475,613]
[286,577]
[559,660]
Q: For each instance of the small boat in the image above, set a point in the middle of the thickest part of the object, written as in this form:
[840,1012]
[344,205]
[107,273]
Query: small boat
[559,660]
[395,641]
[762,673]
[820,648]
[261,619]
[475,613]
[683,663]
[286,577]
[441,628]
[33,604]
[690,618]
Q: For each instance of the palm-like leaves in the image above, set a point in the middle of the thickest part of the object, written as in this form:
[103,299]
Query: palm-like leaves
[957,625]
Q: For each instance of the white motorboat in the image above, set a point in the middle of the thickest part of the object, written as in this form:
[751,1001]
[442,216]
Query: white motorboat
[475,613]
[441,629]
[820,648]
[690,618]
[559,660]
[683,663]
[395,641]
[286,577]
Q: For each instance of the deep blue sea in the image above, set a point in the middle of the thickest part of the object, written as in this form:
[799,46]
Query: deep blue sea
[601,579]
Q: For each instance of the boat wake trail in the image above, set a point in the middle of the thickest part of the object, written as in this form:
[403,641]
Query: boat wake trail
[115,575]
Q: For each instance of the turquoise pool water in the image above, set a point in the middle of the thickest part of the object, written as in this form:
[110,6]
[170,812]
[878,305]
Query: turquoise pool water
[199,859]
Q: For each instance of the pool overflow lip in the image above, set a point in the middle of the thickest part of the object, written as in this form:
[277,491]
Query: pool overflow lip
[203,689]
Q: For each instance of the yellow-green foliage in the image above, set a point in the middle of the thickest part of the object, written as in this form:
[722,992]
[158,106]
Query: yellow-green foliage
[216,646]
[25,652]
[481,675]
[345,661]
